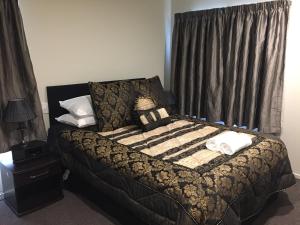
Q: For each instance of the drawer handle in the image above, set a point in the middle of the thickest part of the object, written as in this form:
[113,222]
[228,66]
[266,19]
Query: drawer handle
[39,175]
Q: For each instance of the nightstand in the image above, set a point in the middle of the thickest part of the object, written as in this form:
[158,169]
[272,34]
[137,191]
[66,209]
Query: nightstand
[30,185]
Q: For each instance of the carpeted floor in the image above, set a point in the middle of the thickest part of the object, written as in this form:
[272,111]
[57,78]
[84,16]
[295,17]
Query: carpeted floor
[73,210]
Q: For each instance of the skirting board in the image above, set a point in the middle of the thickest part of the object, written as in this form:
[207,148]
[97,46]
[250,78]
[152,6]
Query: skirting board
[297,175]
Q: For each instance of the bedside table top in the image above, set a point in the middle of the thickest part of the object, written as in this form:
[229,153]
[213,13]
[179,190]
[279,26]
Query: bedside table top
[29,145]
[7,161]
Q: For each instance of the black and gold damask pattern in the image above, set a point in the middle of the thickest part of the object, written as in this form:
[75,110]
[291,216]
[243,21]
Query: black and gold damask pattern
[206,195]
[142,87]
[152,88]
[112,104]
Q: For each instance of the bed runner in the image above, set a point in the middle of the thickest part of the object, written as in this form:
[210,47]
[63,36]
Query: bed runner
[181,142]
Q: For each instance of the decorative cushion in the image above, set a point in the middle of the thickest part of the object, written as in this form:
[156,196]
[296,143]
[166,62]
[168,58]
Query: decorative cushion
[153,118]
[157,91]
[144,103]
[142,87]
[151,87]
[149,115]
[113,103]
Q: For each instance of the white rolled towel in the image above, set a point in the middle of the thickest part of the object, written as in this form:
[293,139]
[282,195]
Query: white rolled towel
[229,142]
[214,143]
[234,145]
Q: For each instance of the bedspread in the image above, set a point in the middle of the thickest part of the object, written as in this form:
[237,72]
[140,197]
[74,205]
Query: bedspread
[211,188]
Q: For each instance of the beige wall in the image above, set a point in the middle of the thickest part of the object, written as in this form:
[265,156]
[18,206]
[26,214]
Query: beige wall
[291,103]
[291,97]
[73,41]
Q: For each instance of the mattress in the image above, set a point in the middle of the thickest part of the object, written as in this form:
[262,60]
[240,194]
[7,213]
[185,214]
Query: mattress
[172,161]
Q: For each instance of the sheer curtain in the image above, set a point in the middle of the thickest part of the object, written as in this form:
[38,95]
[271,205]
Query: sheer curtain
[16,75]
[228,64]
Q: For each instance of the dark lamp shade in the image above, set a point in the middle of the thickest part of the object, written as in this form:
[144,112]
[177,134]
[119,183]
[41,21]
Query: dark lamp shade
[18,110]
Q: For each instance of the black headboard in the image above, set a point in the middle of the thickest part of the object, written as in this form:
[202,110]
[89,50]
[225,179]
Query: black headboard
[63,92]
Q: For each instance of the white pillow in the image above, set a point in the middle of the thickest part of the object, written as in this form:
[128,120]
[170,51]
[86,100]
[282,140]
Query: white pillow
[79,106]
[75,121]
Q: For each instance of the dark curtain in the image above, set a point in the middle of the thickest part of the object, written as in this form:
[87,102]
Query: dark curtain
[16,75]
[228,64]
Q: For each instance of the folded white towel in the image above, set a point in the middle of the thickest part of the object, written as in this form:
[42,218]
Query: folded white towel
[215,142]
[229,142]
[232,146]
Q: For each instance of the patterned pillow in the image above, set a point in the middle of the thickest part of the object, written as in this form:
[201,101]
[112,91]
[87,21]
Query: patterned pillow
[113,103]
[151,87]
[157,91]
[149,115]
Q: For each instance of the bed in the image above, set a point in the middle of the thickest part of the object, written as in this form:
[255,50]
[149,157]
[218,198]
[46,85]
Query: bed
[153,175]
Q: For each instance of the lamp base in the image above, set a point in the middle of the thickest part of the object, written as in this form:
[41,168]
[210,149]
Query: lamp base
[21,129]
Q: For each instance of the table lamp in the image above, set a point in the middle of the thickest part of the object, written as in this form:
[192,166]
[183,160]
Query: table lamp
[19,111]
